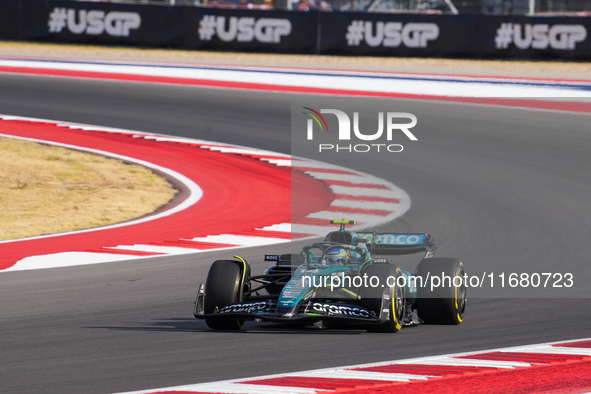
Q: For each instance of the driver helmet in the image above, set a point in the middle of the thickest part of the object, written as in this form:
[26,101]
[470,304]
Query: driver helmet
[336,256]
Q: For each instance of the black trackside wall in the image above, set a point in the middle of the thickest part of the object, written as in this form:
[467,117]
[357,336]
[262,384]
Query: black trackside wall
[167,26]
[9,19]
[455,35]
[358,34]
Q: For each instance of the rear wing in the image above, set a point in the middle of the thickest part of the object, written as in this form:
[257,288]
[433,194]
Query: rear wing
[399,243]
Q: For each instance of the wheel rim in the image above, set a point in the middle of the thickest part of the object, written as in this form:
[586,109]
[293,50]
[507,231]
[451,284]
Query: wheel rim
[398,302]
[460,299]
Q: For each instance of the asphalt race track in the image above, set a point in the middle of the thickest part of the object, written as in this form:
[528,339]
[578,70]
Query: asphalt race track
[503,189]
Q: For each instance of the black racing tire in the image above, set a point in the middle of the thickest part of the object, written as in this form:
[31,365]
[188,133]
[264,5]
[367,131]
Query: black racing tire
[445,304]
[371,297]
[223,288]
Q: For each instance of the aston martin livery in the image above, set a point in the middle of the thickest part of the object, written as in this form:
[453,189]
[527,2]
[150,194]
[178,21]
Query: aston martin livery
[340,281]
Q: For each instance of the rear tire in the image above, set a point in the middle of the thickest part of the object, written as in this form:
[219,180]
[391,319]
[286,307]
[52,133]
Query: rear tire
[443,304]
[223,288]
[371,298]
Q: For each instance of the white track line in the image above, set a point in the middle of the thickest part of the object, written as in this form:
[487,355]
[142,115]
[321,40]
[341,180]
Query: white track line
[562,350]
[317,230]
[460,362]
[279,163]
[154,249]
[281,227]
[364,205]
[240,240]
[358,81]
[68,259]
[347,374]
[359,191]
[358,216]
[352,178]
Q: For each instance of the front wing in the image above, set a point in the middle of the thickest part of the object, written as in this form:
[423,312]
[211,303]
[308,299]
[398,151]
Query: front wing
[307,311]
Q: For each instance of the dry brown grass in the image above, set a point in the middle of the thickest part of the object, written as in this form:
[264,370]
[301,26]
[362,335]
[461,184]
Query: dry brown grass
[47,189]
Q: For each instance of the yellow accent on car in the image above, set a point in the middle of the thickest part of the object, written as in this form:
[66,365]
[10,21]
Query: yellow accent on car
[351,292]
[239,322]
[459,270]
[393,301]
[244,270]
[343,222]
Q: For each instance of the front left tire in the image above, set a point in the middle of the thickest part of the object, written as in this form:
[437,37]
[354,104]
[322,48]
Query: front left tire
[222,288]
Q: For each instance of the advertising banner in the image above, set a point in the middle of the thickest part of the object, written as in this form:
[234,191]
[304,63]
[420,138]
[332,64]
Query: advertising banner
[180,26]
[101,23]
[369,34]
[534,37]
[342,33]
[246,30]
[372,34]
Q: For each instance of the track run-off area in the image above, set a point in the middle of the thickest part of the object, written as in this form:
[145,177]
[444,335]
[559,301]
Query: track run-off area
[126,325]
[230,196]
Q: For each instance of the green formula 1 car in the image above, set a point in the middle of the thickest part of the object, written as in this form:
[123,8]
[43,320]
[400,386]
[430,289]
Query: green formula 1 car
[338,281]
